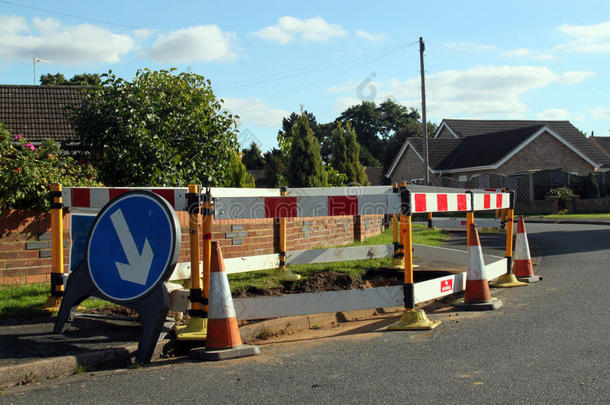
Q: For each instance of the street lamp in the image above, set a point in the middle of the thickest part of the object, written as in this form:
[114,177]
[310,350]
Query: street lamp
[36,59]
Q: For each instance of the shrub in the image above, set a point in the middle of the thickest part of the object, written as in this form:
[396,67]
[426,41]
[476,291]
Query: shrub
[27,171]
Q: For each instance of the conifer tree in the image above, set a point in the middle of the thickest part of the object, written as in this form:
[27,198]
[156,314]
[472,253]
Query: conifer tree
[305,163]
[345,154]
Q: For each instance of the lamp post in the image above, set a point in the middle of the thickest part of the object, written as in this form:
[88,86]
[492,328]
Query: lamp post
[36,59]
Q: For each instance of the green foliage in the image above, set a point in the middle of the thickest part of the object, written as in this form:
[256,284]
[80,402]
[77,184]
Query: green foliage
[58,79]
[27,171]
[275,167]
[346,155]
[237,175]
[305,163]
[334,177]
[561,192]
[377,127]
[591,187]
[253,157]
[161,129]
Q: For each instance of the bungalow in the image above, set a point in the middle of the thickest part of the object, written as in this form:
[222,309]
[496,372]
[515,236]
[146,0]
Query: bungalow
[462,149]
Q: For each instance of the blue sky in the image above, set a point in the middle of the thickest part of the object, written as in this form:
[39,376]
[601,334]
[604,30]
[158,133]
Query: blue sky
[483,59]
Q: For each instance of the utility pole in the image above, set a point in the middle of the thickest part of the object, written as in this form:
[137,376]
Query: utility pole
[422,47]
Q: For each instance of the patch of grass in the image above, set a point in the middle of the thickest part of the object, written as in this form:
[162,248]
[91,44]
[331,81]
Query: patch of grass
[26,301]
[28,379]
[80,369]
[575,216]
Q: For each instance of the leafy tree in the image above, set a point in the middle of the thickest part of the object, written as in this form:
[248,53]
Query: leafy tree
[27,171]
[345,154]
[83,79]
[161,129]
[365,120]
[237,175]
[320,131]
[305,163]
[335,177]
[376,126]
[275,168]
[253,157]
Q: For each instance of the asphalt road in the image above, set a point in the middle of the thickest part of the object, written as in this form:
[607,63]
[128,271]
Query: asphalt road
[548,343]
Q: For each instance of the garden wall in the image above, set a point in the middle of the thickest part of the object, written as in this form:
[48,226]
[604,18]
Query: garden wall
[25,239]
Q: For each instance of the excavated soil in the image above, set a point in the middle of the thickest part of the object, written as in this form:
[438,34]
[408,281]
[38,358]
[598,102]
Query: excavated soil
[334,281]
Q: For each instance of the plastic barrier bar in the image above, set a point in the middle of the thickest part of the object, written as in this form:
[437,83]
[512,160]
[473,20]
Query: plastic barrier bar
[440,202]
[97,197]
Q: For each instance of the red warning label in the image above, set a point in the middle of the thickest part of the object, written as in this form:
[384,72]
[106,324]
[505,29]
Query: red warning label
[446,285]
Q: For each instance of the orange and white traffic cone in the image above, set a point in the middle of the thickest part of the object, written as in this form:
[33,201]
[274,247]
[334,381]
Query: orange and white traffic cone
[223,340]
[477,296]
[523,266]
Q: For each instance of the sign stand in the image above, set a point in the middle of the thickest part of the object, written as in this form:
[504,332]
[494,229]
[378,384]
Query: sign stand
[132,249]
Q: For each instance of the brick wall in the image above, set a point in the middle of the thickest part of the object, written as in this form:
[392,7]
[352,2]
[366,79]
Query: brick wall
[25,239]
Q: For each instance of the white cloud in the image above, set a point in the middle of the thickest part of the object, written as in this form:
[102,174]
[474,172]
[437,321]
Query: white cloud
[201,43]
[600,113]
[48,38]
[370,37]
[526,53]
[553,114]
[469,46]
[517,53]
[255,111]
[479,92]
[290,28]
[593,38]
[574,77]
[143,33]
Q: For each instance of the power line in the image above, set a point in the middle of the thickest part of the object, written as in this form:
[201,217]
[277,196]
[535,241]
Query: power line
[157,31]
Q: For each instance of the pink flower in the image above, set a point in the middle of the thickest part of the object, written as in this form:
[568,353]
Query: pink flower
[18,136]
[30,145]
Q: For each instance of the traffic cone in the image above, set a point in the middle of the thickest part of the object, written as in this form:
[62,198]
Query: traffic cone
[523,267]
[223,340]
[477,296]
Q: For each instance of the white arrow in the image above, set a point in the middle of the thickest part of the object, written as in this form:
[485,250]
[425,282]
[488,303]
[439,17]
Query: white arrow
[139,264]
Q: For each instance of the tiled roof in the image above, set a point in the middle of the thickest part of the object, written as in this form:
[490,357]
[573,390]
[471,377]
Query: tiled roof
[469,128]
[440,151]
[375,175]
[603,143]
[39,112]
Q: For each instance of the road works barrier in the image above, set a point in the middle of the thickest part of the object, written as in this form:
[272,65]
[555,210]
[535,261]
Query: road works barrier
[219,203]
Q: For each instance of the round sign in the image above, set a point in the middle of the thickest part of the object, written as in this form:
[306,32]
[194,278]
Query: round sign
[133,245]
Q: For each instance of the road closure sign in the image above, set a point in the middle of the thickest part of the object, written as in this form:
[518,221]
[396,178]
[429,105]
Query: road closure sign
[133,245]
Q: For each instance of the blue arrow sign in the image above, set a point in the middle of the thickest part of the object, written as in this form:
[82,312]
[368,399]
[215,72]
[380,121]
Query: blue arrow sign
[133,245]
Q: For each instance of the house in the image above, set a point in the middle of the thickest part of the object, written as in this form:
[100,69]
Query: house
[462,149]
[39,112]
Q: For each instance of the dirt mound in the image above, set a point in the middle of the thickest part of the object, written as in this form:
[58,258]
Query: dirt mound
[327,281]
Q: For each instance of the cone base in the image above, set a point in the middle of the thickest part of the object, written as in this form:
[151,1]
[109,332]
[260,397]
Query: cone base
[530,279]
[285,275]
[492,304]
[196,329]
[52,304]
[507,281]
[414,320]
[224,354]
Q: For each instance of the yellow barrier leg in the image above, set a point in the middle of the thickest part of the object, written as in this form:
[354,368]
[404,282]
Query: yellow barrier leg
[396,263]
[196,328]
[57,250]
[411,319]
[282,272]
[508,280]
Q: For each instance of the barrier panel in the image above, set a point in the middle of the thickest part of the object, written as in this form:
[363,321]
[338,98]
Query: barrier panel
[225,203]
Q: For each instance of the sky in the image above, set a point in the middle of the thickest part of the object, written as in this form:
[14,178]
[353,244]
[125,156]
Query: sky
[265,59]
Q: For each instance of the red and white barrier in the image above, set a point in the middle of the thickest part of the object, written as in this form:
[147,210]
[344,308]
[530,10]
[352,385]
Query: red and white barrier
[97,197]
